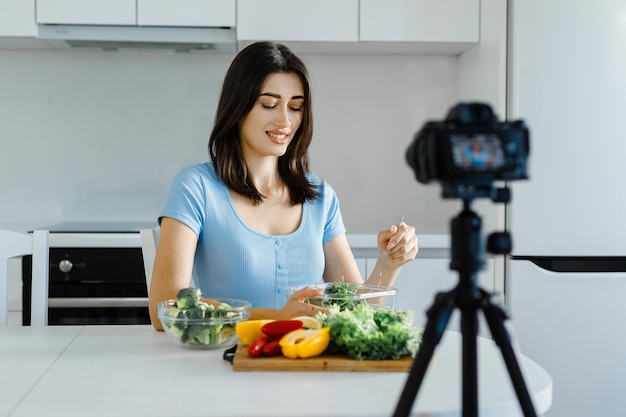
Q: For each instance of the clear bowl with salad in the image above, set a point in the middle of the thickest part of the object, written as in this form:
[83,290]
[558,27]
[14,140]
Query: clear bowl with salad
[205,324]
[347,295]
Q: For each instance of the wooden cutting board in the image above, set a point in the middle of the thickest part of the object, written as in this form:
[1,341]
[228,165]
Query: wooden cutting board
[243,362]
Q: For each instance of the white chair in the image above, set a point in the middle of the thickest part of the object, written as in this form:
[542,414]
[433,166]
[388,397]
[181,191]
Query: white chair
[16,244]
[149,240]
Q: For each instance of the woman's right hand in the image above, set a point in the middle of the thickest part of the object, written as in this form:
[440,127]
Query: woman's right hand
[296,305]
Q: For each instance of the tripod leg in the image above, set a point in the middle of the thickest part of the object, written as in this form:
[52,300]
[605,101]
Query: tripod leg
[469,331]
[495,317]
[438,317]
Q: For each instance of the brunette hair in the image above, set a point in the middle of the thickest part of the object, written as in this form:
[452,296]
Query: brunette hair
[242,85]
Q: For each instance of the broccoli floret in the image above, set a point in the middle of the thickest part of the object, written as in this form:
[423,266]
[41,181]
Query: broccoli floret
[180,331]
[228,330]
[199,334]
[364,333]
[211,335]
[188,297]
[171,312]
[203,337]
[204,310]
[222,310]
[196,312]
[223,307]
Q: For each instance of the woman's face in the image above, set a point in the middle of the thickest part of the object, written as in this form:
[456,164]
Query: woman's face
[275,117]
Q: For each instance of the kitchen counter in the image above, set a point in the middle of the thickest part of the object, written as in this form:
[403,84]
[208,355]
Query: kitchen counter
[133,370]
[101,234]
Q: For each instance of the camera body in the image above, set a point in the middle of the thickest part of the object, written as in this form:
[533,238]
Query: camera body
[469,150]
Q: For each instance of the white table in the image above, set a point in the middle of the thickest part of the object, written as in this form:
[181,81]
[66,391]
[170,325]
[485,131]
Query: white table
[136,371]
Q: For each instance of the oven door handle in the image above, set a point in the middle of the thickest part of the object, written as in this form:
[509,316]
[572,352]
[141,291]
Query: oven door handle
[97,302]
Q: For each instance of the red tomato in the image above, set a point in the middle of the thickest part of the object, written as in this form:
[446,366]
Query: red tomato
[256,348]
[279,328]
[272,348]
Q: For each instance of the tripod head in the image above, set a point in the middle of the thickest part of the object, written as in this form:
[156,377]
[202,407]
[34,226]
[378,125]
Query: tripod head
[467,246]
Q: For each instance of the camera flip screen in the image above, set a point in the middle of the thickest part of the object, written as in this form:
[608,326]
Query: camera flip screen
[477,151]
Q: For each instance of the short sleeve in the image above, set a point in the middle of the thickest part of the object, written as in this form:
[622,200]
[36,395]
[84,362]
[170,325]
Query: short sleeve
[334,225]
[185,199]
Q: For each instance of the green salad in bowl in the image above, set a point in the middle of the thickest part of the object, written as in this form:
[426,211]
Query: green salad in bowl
[194,323]
[347,295]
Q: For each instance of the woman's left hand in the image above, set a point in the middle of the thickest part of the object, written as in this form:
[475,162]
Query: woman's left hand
[401,242]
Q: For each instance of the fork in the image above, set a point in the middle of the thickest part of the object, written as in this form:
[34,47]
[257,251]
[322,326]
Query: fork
[382,264]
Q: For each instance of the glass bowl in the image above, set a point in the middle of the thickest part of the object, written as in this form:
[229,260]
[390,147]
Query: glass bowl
[376,297]
[197,328]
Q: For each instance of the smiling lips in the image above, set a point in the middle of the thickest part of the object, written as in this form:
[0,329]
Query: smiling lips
[278,137]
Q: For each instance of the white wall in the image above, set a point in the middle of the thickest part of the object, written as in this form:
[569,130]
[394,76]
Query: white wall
[368,109]
[98,136]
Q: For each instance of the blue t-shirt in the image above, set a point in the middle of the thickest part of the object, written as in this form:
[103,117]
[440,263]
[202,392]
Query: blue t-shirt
[235,261]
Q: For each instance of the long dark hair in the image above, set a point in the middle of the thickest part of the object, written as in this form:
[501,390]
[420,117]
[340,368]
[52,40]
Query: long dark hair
[242,85]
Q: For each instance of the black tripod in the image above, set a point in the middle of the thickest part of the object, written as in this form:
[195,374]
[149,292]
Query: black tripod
[467,259]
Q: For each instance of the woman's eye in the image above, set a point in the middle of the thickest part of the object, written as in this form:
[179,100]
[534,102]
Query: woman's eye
[268,106]
[296,105]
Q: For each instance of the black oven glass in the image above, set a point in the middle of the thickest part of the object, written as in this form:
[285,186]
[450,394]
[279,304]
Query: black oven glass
[92,286]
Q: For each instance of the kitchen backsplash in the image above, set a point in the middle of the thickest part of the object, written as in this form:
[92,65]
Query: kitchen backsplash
[98,136]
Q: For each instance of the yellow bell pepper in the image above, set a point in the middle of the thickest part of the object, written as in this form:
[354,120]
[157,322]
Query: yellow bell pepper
[305,343]
[250,330]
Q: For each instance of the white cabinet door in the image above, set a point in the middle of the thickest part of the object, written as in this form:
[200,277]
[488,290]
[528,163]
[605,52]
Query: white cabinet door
[200,13]
[87,12]
[298,20]
[17,18]
[419,20]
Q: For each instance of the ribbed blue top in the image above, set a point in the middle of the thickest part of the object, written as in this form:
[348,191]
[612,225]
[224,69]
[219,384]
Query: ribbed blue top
[236,261]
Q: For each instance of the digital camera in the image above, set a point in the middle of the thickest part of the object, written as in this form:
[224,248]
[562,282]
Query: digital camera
[469,150]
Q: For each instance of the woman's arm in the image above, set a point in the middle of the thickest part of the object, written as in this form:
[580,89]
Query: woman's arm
[339,261]
[402,244]
[294,307]
[400,241]
[173,264]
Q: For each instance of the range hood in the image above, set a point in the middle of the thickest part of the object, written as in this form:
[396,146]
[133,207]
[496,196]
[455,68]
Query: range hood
[180,39]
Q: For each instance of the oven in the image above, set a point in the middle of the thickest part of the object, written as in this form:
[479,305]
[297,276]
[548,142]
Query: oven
[96,275]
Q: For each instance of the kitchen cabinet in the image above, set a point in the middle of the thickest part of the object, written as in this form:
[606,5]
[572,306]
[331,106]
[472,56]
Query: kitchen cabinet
[298,20]
[87,12]
[419,20]
[362,26]
[17,18]
[200,13]
[196,13]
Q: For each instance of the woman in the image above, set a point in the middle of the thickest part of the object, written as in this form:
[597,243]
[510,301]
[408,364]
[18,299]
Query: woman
[254,221]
